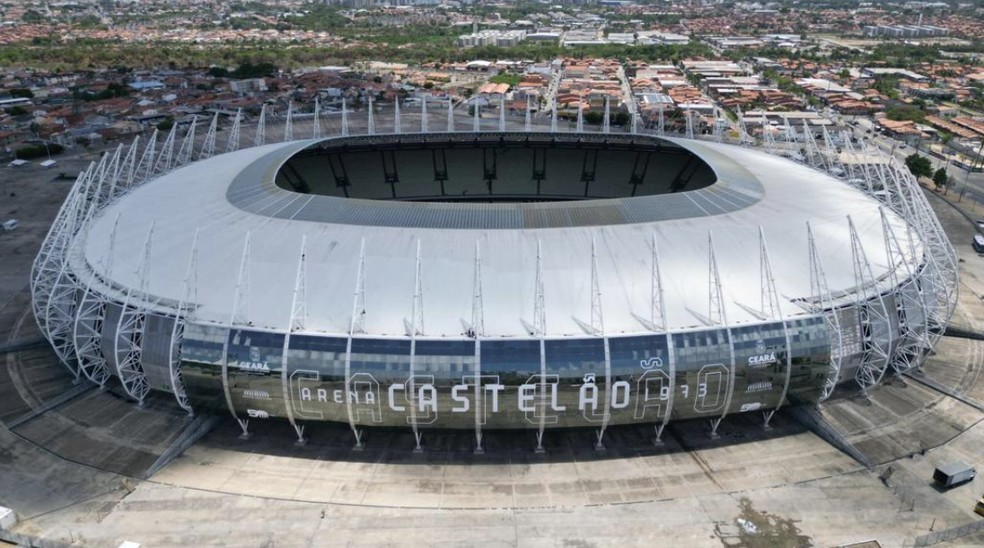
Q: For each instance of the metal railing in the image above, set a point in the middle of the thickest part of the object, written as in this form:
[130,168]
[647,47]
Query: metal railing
[945,535]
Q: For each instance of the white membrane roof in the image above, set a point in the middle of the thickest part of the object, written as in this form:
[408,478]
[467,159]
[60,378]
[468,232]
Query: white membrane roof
[759,190]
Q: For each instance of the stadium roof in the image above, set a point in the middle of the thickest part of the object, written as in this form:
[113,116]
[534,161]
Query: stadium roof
[233,194]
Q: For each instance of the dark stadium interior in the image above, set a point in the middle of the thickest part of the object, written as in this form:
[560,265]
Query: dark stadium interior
[497,168]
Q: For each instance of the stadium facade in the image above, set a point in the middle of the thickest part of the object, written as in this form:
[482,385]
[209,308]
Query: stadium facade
[491,280]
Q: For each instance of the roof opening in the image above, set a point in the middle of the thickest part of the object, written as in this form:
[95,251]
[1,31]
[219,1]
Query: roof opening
[494,168]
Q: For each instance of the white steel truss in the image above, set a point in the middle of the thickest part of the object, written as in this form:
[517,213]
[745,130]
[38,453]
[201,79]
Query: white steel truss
[424,126]
[715,303]
[717,128]
[56,309]
[297,322]
[718,316]
[553,116]
[770,306]
[913,339]
[345,124]
[128,341]
[232,143]
[833,163]
[289,122]
[127,172]
[528,122]
[208,146]
[416,328]
[187,151]
[239,316]
[145,167]
[477,327]
[853,172]
[476,331]
[769,139]
[606,123]
[821,302]
[177,328]
[53,248]
[166,155]
[87,331]
[874,320]
[356,325]
[744,139]
[316,123]
[771,309]
[397,122]
[540,331]
[814,158]
[789,134]
[502,114]
[48,266]
[598,326]
[89,200]
[657,306]
[450,122]
[109,177]
[259,138]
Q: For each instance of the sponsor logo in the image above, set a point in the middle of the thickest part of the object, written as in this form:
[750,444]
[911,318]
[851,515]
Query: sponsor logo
[252,394]
[749,407]
[257,414]
[258,367]
[762,356]
[762,386]
[255,362]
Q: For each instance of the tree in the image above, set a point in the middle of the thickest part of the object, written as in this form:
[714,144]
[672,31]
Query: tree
[593,118]
[941,178]
[38,151]
[166,124]
[32,16]
[920,166]
[249,70]
[905,112]
[506,78]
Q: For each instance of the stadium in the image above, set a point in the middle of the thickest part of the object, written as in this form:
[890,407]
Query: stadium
[491,279]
